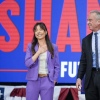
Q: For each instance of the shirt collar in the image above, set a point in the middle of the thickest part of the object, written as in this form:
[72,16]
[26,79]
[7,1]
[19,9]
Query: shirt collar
[97,32]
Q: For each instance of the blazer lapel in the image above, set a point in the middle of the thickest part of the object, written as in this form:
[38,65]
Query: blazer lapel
[48,55]
[36,47]
[90,43]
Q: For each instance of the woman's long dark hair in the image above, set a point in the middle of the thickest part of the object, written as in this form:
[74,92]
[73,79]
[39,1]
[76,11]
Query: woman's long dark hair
[35,41]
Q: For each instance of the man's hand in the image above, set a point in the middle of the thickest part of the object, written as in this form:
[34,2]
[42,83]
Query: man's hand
[78,84]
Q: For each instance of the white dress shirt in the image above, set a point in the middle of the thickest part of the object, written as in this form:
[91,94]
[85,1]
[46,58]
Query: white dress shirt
[93,48]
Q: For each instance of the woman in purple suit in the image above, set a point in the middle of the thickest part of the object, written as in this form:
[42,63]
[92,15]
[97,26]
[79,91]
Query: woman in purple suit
[42,61]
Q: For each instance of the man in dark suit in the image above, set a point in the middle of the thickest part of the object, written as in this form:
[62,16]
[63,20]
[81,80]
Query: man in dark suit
[90,59]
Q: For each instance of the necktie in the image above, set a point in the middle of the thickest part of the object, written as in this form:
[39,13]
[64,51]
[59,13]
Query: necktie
[96,50]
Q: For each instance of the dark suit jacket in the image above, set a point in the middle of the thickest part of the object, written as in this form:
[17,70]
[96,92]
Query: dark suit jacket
[52,64]
[85,67]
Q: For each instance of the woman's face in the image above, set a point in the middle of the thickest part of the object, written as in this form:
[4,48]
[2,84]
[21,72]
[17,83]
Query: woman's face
[40,33]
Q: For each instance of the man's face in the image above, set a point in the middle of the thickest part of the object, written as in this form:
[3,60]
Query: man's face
[93,22]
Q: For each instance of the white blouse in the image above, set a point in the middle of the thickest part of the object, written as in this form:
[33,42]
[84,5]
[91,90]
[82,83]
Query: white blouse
[43,63]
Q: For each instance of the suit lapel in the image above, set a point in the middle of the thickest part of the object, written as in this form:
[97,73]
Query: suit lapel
[36,47]
[48,55]
[90,43]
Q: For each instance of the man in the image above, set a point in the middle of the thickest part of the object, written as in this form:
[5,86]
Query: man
[90,59]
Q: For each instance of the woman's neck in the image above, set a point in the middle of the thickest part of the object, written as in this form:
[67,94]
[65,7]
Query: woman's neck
[41,42]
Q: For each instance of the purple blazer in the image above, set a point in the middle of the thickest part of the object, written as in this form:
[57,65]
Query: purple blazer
[52,64]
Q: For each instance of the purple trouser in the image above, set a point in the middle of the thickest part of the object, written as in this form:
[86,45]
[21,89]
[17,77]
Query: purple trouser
[42,86]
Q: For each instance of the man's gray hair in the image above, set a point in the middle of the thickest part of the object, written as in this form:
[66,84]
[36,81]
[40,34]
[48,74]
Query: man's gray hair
[97,12]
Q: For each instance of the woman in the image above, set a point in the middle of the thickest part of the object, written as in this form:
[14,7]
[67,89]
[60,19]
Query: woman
[42,62]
